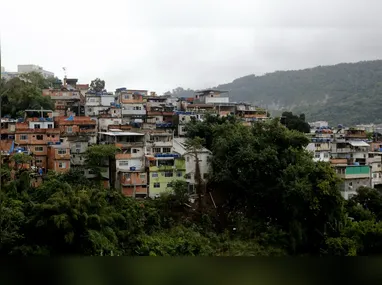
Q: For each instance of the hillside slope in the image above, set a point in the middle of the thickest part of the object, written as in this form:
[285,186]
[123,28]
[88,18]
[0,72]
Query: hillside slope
[346,93]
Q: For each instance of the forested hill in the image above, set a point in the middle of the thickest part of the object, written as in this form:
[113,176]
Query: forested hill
[346,93]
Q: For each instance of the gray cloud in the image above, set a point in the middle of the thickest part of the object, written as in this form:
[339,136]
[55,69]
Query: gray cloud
[162,44]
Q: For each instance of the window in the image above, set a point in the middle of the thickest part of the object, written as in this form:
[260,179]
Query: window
[156,149]
[142,176]
[23,137]
[123,162]
[78,145]
[156,185]
[69,129]
[38,161]
[326,155]
[61,151]
[179,174]
[78,150]
[39,137]
[62,164]
[317,155]
[38,148]
[166,150]
[50,126]
[134,150]
[155,174]
[168,174]
[188,159]
[37,126]
[91,172]
[169,184]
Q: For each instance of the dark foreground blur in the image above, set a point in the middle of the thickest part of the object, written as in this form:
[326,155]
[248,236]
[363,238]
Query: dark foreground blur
[184,271]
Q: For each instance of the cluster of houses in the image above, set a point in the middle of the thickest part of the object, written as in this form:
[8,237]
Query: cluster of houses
[355,153]
[147,128]
[150,132]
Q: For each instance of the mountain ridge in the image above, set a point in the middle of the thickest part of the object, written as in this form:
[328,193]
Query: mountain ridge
[344,93]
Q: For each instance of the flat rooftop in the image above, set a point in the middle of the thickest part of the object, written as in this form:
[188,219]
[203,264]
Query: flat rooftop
[116,134]
[210,90]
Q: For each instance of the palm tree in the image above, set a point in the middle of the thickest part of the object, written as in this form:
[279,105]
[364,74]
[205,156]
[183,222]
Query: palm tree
[194,146]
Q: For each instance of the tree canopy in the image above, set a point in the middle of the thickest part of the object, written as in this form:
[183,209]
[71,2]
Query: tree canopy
[24,92]
[97,85]
[265,197]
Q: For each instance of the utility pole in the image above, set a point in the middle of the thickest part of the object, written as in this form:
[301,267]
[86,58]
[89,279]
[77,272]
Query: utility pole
[1,99]
[1,149]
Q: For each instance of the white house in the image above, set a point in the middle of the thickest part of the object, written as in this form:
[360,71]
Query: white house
[203,156]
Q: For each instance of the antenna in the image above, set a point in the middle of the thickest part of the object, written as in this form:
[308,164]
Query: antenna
[64,69]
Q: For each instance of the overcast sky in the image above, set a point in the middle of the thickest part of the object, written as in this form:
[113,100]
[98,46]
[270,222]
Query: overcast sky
[161,44]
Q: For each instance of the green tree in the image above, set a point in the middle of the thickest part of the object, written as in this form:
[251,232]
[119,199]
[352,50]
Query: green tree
[262,171]
[22,93]
[20,159]
[194,146]
[294,122]
[98,157]
[97,85]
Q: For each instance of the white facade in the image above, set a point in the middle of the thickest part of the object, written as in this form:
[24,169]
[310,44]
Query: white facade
[216,100]
[203,157]
[103,123]
[128,163]
[319,124]
[41,125]
[25,68]
[133,109]
[376,168]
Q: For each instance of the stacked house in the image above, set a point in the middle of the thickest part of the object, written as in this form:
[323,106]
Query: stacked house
[147,129]
[354,156]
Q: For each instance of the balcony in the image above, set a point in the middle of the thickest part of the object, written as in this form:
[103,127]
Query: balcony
[133,112]
[87,131]
[349,150]
[355,171]
[65,156]
[160,143]
[129,144]
[162,168]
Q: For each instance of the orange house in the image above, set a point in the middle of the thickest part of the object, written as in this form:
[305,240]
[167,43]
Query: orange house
[35,142]
[133,184]
[75,126]
[59,157]
[132,96]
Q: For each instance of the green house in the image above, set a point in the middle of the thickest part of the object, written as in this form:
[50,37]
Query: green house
[163,169]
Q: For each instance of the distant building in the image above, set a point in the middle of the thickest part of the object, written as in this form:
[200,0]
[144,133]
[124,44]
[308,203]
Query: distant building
[26,68]
[2,69]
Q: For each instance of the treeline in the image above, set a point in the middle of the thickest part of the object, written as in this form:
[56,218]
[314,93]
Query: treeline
[25,92]
[265,196]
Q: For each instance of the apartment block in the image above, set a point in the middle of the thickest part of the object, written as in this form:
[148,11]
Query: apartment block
[77,133]
[162,170]
[127,170]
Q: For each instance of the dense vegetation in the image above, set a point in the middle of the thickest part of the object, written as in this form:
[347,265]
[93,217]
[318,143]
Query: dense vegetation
[25,92]
[266,196]
[348,93]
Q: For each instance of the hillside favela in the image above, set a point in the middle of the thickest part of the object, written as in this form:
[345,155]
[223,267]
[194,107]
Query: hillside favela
[214,172]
